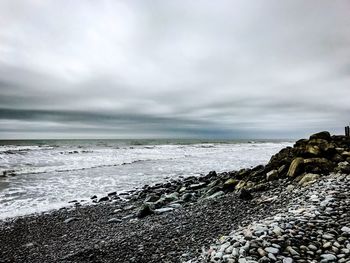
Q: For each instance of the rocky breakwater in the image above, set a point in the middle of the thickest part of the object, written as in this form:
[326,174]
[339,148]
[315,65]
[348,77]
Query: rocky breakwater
[304,163]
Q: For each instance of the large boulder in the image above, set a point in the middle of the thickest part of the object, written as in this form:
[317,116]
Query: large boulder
[325,135]
[318,165]
[296,167]
[283,157]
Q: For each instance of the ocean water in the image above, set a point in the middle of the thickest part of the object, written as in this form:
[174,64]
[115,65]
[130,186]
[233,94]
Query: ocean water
[37,176]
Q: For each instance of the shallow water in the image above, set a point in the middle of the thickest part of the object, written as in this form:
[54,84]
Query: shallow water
[48,174]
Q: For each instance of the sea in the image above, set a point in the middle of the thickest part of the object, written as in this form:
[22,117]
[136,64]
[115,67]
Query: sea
[40,175]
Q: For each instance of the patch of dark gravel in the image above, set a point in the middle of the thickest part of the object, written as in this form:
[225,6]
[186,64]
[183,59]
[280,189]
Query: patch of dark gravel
[170,237]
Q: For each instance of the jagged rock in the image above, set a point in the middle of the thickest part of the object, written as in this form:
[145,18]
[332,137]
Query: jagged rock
[296,167]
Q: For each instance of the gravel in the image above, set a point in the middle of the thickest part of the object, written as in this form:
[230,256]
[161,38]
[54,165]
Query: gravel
[313,226]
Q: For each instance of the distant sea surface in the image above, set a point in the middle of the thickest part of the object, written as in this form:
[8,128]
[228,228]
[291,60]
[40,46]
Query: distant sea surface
[41,175]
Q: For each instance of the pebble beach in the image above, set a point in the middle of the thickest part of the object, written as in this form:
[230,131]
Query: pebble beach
[295,208]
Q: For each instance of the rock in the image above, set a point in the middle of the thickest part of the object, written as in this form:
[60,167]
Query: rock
[312,150]
[264,259]
[152,198]
[272,175]
[240,185]
[112,194]
[217,194]
[29,245]
[93,197]
[128,217]
[170,197]
[175,205]
[187,197]
[230,184]
[329,257]
[103,199]
[114,220]
[272,250]
[260,187]
[277,231]
[212,174]
[308,179]
[345,229]
[295,167]
[212,190]
[144,210]
[245,194]
[196,186]
[182,189]
[118,210]
[324,135]
[71,219]
[292,251]
[163,210]
[287,260]
[318,165]
[261,252]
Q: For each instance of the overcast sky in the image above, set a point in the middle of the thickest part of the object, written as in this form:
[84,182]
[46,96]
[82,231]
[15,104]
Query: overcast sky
[140,69]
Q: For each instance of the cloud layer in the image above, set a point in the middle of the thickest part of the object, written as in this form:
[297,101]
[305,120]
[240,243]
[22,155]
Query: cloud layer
[125,69]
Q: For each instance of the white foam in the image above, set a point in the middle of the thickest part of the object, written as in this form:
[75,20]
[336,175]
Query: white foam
[50,177]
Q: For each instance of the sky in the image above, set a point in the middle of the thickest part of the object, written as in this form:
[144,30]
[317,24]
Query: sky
[173,69]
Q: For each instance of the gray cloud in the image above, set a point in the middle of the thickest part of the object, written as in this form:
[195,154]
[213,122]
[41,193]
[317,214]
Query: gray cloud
[173,68]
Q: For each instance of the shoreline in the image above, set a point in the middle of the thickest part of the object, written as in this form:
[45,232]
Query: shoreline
[179,220]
